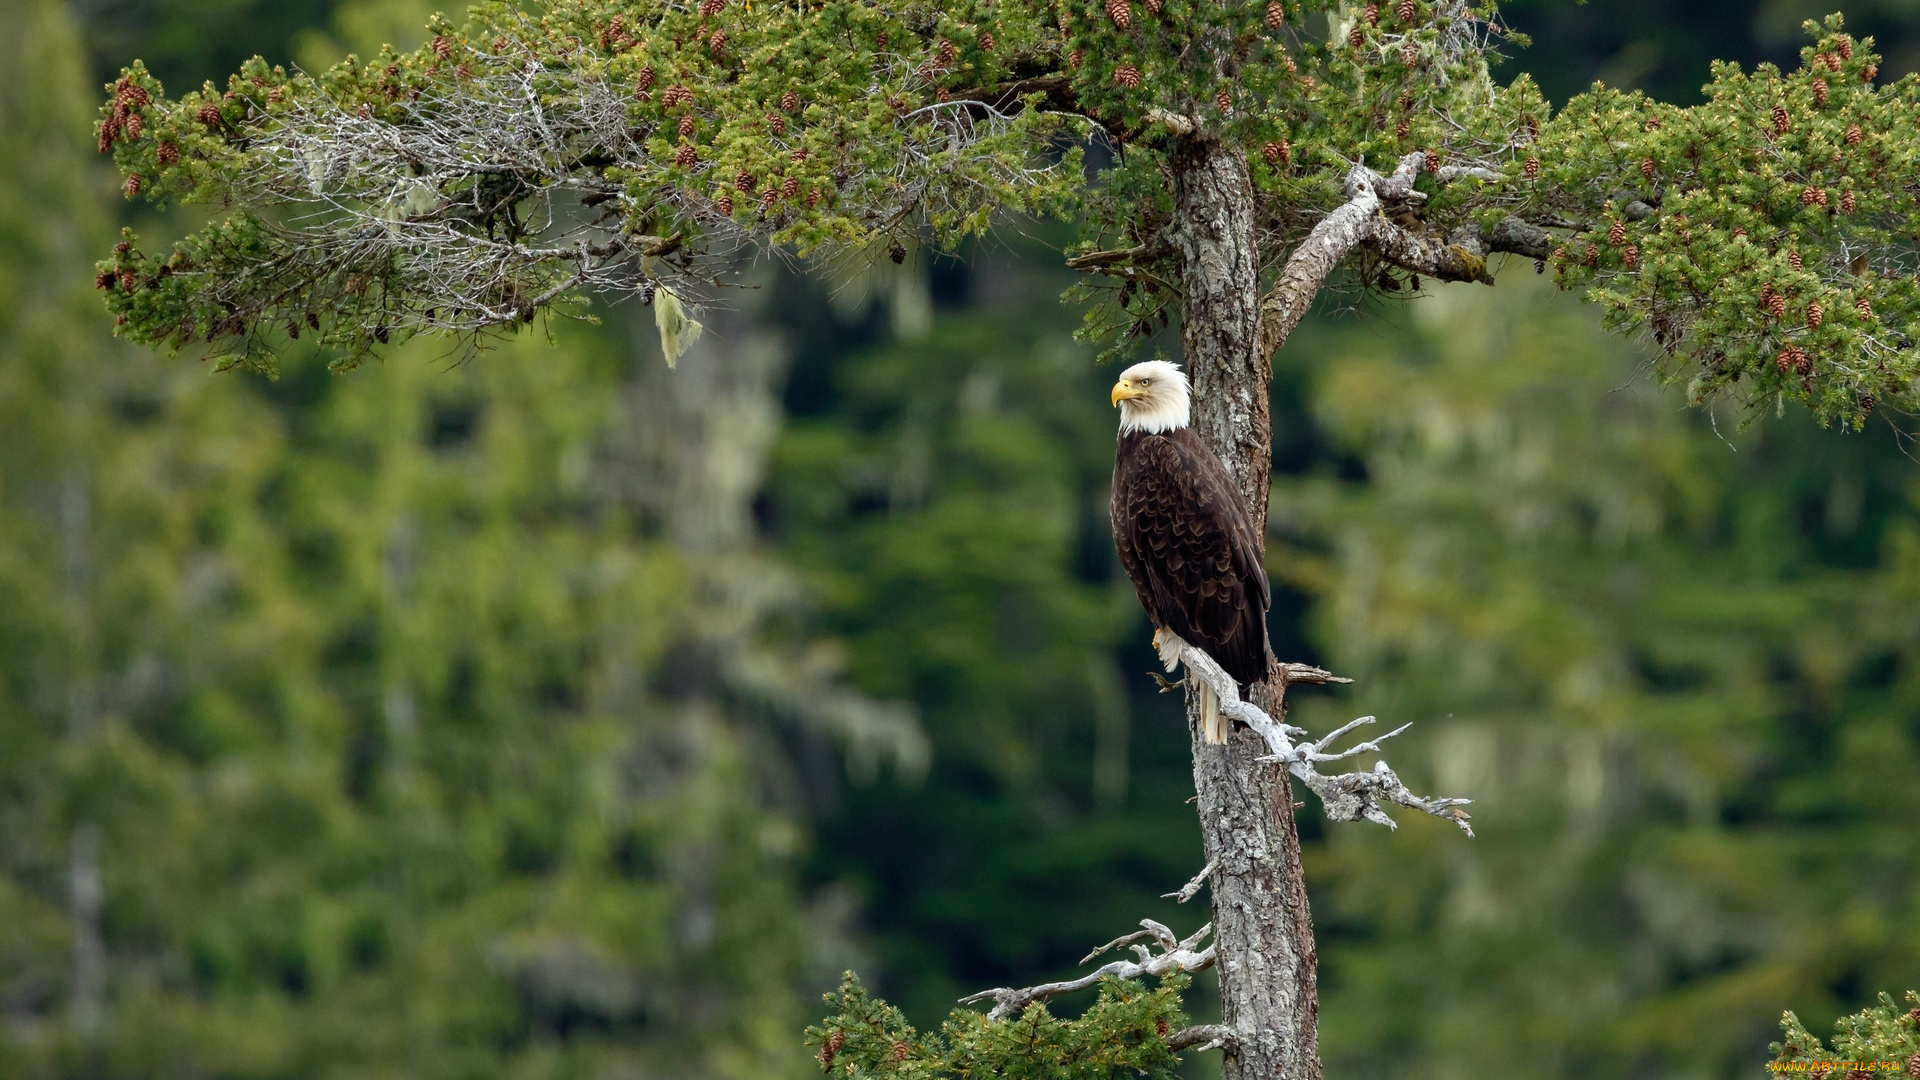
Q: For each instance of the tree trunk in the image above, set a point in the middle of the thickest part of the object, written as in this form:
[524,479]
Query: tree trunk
[1262,927]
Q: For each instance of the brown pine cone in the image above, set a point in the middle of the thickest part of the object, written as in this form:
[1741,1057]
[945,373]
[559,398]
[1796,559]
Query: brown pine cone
[1845,47]
[1815,315]
[724,204]
[1781,121]
[1276,14]
[1647,168]
[1854,134]
[1617,233]
[686,156]
[686,126]
[1356,37]
[777,123]
[1864,309]
[831,1048]
[948,52]
[1223,101]
[1074,58]
[1373,14]
[210,114]
[1631,256]
[790,187]
[986,40]
[1407,10]
[1120,12]
[645,81]
[1432,161]
[1127,75]
[1532,168]
[168,154]
[1819,91]
[132,186]
[1867,73]
[789,101]
[1848,202]
[1793,259]
[744,182]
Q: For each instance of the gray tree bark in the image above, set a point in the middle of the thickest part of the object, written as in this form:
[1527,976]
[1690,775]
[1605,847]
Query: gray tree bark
[1263,929]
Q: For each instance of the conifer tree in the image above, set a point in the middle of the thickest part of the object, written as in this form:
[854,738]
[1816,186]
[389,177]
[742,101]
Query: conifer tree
[516,163]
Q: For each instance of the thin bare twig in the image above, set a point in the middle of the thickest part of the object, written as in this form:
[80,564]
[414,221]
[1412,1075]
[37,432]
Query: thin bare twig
[1191,888]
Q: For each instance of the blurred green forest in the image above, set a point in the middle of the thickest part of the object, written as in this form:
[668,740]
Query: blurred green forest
[545,712]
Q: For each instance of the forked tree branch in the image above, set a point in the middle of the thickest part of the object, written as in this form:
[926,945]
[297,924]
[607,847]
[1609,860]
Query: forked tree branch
[1359,222]
[1325,247]
[1347,796]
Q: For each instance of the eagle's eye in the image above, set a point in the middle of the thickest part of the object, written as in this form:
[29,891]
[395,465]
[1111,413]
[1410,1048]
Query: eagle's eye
[1142,381]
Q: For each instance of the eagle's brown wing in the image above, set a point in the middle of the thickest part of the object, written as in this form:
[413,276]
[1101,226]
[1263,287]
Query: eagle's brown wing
[1185,538]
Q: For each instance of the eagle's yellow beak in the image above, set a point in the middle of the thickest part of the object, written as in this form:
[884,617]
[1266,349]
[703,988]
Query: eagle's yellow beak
[1124,390]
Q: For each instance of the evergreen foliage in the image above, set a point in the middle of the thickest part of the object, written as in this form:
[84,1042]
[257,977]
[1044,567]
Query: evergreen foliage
[1882,1033]
[1123,1033]
[514,161]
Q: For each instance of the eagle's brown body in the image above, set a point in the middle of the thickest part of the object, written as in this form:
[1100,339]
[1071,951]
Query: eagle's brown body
[1185,537]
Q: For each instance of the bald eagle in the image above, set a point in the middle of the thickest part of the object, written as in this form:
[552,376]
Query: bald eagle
[1185,537]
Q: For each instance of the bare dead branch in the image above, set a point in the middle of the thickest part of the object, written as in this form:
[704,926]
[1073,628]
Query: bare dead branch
[1346,797]
[1202,1037]
[1456,258]
[1307,673]
[1099,261]
[1176,955]
[1191,888]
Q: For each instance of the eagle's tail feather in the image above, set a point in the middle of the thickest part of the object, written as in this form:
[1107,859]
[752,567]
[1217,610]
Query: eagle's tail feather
[1213,725]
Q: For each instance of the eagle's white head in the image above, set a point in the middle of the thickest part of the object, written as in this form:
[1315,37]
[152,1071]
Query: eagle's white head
[1153,397]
